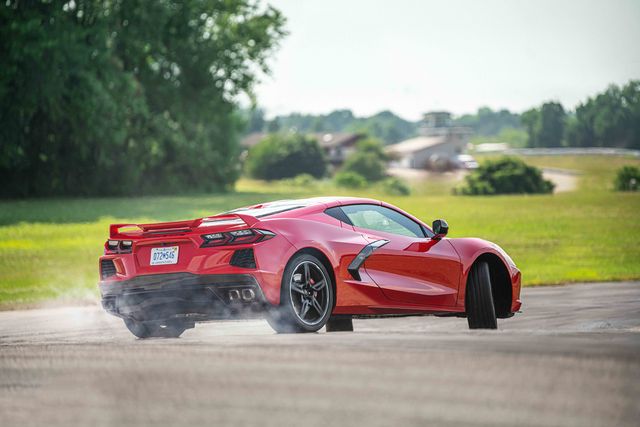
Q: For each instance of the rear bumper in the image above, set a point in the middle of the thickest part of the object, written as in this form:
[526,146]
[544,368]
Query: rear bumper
[193,297]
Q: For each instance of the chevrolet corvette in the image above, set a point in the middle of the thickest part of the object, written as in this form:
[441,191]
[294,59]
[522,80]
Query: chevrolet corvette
[302,264]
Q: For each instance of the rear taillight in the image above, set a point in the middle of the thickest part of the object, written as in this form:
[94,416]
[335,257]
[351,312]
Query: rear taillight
[238,237]
[118,246]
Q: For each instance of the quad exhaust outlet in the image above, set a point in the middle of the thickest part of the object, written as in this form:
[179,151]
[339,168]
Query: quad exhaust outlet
[245,294]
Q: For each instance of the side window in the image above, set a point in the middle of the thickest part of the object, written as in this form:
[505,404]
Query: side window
[338,214]
[384,219]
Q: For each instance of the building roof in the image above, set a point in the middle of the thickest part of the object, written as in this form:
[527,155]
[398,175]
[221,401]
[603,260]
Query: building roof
[416,144]
[337,139]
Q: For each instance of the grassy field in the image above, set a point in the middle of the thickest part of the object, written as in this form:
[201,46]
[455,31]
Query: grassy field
[49,248]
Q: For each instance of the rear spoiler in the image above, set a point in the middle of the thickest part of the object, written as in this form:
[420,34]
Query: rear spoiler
[128,230]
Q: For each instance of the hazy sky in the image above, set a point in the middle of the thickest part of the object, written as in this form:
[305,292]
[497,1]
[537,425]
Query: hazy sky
[414,56]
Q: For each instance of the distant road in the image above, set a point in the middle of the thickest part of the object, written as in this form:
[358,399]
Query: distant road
[574,151]
[572,358]
[564,179]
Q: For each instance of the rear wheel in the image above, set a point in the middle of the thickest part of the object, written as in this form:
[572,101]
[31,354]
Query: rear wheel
[306,297]
[481,313]
[155,329]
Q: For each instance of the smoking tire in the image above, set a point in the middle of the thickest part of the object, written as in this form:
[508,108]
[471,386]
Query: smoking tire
[306,297]
[144,330]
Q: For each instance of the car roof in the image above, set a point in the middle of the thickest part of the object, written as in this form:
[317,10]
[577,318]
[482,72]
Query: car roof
[328,201]
[302,207]
[281,206]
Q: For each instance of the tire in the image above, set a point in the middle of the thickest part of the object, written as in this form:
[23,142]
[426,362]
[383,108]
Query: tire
[144,330]
[340,324]
[481,313]
[306,297]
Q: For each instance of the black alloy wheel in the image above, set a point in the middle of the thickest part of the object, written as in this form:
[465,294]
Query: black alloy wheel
[306,298]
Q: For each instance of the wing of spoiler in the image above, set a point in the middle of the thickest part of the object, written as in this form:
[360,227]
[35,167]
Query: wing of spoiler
[128,230]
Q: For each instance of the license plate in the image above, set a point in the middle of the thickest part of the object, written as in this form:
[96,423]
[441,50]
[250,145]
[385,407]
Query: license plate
[164,256]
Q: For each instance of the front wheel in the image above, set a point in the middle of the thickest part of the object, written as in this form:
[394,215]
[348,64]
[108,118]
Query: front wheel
[306,297]
[481,313]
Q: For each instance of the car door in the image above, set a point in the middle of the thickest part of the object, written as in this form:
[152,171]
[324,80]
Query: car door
[411,267]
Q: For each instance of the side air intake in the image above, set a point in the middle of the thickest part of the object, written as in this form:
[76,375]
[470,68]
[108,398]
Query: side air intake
[107,268]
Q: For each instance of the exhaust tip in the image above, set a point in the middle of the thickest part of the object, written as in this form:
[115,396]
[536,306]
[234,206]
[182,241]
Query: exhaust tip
[234,295]
[248,294]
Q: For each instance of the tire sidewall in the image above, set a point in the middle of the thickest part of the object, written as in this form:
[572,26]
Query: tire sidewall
[139,329]
[479,299]
[287,314]
[143,330]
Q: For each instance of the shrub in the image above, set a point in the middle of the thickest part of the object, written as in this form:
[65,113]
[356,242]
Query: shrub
[285,156]
[303,180]
[395,186]
[349,179]
[627,179]
[508,175]
[369,160]
[372,146]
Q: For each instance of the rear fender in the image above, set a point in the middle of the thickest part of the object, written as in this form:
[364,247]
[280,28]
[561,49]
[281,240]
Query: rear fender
[340,245]
[328,237]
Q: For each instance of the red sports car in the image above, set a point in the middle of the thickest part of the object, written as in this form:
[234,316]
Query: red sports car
[302,264]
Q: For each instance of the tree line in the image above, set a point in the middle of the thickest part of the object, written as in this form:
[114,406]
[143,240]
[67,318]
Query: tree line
[609,119]
[384,125]
[104,97]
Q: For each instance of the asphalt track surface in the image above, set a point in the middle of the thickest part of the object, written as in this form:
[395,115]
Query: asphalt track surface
[572,358]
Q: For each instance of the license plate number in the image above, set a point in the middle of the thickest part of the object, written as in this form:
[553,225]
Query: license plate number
[164,256]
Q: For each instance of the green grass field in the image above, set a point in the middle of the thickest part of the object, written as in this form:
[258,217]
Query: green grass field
[49,248]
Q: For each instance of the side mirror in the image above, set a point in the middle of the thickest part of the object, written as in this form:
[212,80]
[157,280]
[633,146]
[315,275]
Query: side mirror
[440,228]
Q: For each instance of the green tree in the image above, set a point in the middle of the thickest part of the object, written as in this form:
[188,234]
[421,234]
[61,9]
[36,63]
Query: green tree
[274,126]
[531,122]
[552,120]
[385,125]
[369,160]
[545,125]
[487,122]
[610,119]
[124,97]
[282,155]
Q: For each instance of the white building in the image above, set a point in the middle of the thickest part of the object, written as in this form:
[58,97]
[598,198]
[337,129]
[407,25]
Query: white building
[439,142]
